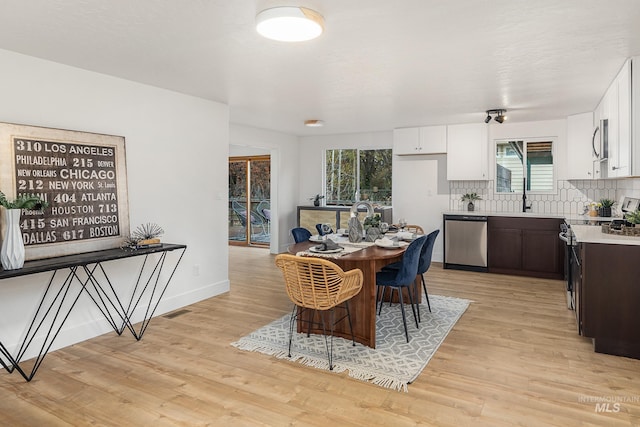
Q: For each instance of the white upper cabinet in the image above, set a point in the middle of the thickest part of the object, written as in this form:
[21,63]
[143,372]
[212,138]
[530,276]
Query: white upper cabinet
[468,152]
[579,146]
[615,111]
[420,140]
[620,155]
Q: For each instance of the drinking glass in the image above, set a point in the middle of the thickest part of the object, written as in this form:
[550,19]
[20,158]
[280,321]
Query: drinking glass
[402,223]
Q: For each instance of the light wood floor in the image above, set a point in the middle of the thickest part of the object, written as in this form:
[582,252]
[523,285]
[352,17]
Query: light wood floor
[514,358]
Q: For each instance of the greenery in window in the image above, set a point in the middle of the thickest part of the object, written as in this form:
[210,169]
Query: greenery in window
[350,170]
[520,162]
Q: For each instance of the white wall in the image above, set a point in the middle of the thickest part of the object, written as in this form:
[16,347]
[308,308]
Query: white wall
[420,188]
[176,148]
[283,149]
[418,191]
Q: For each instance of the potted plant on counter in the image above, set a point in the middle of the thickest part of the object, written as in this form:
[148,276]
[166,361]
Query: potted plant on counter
[470,197]
[632,218]
[605,207]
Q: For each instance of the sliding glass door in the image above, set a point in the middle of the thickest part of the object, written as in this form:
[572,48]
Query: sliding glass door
[250,200]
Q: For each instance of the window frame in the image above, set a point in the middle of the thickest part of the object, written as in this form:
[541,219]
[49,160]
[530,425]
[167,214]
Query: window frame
[358,150]
[526,140]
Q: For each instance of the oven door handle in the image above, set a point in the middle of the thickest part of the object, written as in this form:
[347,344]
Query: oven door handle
[563,237]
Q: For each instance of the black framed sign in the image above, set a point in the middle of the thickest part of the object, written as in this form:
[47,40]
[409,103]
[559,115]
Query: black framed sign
[81,175]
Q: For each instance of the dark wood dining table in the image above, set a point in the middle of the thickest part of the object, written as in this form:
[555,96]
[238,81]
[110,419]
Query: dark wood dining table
[362,307]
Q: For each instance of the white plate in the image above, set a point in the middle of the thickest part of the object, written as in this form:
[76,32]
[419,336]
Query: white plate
[330,251]
[391,246]
[315,238]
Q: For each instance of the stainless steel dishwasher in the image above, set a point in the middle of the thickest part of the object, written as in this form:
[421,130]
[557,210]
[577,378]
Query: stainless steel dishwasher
[465,242]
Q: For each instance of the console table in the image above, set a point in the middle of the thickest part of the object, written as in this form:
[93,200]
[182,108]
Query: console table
[87,271]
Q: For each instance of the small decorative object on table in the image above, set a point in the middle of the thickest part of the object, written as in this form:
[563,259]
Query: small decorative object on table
[316,199]
[145,236]
[12,253]
[470,197]
[372,228]
[605,207]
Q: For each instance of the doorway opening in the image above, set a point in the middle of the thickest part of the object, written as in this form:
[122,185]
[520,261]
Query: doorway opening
[250,200]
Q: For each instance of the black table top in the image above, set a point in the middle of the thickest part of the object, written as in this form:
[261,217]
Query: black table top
[66,261]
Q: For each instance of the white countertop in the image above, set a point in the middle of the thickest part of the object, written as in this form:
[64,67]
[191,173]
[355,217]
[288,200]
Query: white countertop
[591,234]
[569,217]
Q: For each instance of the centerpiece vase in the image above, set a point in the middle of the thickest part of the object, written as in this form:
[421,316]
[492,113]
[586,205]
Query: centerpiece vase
[355,230]
[12,253]
[372,234]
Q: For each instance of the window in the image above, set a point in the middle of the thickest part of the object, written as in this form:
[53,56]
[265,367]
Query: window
[350,170]
[520,160]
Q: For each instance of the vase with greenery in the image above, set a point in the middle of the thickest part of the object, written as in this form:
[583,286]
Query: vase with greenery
[12,252]
[316,199]
[372,228]
[470,198]
[605,206]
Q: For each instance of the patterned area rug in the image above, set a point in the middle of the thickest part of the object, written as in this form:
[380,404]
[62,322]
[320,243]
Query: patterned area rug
[394,363]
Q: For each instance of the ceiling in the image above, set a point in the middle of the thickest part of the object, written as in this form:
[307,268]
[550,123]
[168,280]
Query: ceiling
[379,65]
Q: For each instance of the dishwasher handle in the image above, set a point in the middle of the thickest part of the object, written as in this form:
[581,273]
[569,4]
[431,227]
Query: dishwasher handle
[479,218]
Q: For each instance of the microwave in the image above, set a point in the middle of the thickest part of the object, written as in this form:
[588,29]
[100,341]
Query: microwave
[600,140]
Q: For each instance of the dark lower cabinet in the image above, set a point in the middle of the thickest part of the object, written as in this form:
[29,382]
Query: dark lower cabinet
[608,296]
[525,247]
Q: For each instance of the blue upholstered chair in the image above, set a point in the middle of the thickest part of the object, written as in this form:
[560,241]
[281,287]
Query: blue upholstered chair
[423,264]
[300,234]
[403,277]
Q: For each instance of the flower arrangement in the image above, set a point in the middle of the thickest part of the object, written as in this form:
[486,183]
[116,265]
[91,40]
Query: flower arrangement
[25,201]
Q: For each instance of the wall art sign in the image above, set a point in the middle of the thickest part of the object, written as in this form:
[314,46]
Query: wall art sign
[83,178]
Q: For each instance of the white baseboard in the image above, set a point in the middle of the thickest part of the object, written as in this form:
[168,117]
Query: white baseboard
[78,332]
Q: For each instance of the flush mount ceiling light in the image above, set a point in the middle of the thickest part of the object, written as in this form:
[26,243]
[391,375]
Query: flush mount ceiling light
[314,123]
[499,116]
[289,23]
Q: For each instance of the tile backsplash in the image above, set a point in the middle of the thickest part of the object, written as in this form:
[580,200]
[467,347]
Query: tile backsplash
[570,197]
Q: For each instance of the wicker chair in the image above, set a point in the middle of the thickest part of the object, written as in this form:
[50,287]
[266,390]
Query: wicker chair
[411,227]
[315,284]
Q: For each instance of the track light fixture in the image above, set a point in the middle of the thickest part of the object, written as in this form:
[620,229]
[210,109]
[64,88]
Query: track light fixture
[499,115]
